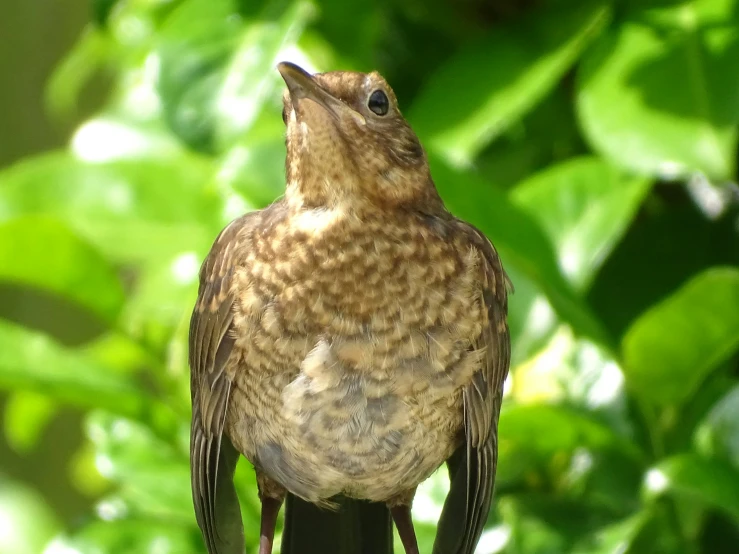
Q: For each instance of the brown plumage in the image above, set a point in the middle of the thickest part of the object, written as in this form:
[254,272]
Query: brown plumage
[350,337]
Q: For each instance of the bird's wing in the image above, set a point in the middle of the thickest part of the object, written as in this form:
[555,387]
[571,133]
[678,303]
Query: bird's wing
[471,489]
[212,456]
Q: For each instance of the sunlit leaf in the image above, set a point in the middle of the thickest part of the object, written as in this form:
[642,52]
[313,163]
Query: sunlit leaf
[217,69]
[44,253]
[142,536]
[490,83]
[658,94]
[712,482]
[27,520]
[251,77]
[132,210]
[255,166]
[26,417]
[584,206]
[531,318]
[118,352]
[84,474]
[33,361]
[153,476]
[165,293]
[109,138]
[194,46]
[671,348]
[576,371]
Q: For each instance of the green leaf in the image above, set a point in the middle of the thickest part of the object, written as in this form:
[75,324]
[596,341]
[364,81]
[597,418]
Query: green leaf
[159,215]
[650,530]
[217,69]
[74,71]
[547,134]
[585,206]
[33,361]
[44,253]
[101,10]
[613,538]
[118,352]
[194,46]
[532,435]
[671,348]
[110,138]
[493,82]
[717,435]
[549,429]
[526,531]
[541,523]
[128,536]
[356,44]
[154,477]
[255,166]
[133,210]
[251,78]
[531,317]
[519,240]
[713,482]
[165,293]
[26,417]
[28,522]
[659,94]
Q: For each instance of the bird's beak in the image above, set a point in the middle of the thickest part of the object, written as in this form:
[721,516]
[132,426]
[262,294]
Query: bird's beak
[301,84]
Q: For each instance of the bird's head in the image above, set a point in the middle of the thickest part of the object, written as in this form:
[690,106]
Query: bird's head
[347,142]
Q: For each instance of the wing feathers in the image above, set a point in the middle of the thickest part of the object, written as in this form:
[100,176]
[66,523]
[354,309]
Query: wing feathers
[474,479]
[212,456]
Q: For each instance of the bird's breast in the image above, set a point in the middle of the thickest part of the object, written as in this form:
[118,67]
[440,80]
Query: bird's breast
[353,348]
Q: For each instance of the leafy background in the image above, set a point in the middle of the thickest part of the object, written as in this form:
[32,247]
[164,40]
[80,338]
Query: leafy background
[594,141]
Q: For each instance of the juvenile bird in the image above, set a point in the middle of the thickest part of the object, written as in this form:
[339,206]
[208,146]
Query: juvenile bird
[351,337]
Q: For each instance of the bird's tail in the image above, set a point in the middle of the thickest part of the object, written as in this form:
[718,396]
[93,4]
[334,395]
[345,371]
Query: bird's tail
[355,527]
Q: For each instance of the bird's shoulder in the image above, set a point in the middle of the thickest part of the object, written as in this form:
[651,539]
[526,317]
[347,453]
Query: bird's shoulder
[232,244]
[496,279]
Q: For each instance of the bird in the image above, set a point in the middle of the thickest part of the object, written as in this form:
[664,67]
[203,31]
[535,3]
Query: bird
[351,337]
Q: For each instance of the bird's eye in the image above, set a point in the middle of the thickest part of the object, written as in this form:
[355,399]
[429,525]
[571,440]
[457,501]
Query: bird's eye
[378,102]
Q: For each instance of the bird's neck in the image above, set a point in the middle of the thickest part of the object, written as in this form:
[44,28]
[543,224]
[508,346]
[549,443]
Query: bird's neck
[349,197]
[327,192]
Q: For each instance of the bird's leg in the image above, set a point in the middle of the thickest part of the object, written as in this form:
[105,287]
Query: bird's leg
[404,524]
[270,509]
[400,509]
[272,495]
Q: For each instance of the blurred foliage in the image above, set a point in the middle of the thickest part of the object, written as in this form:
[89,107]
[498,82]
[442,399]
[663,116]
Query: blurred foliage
[594,141]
